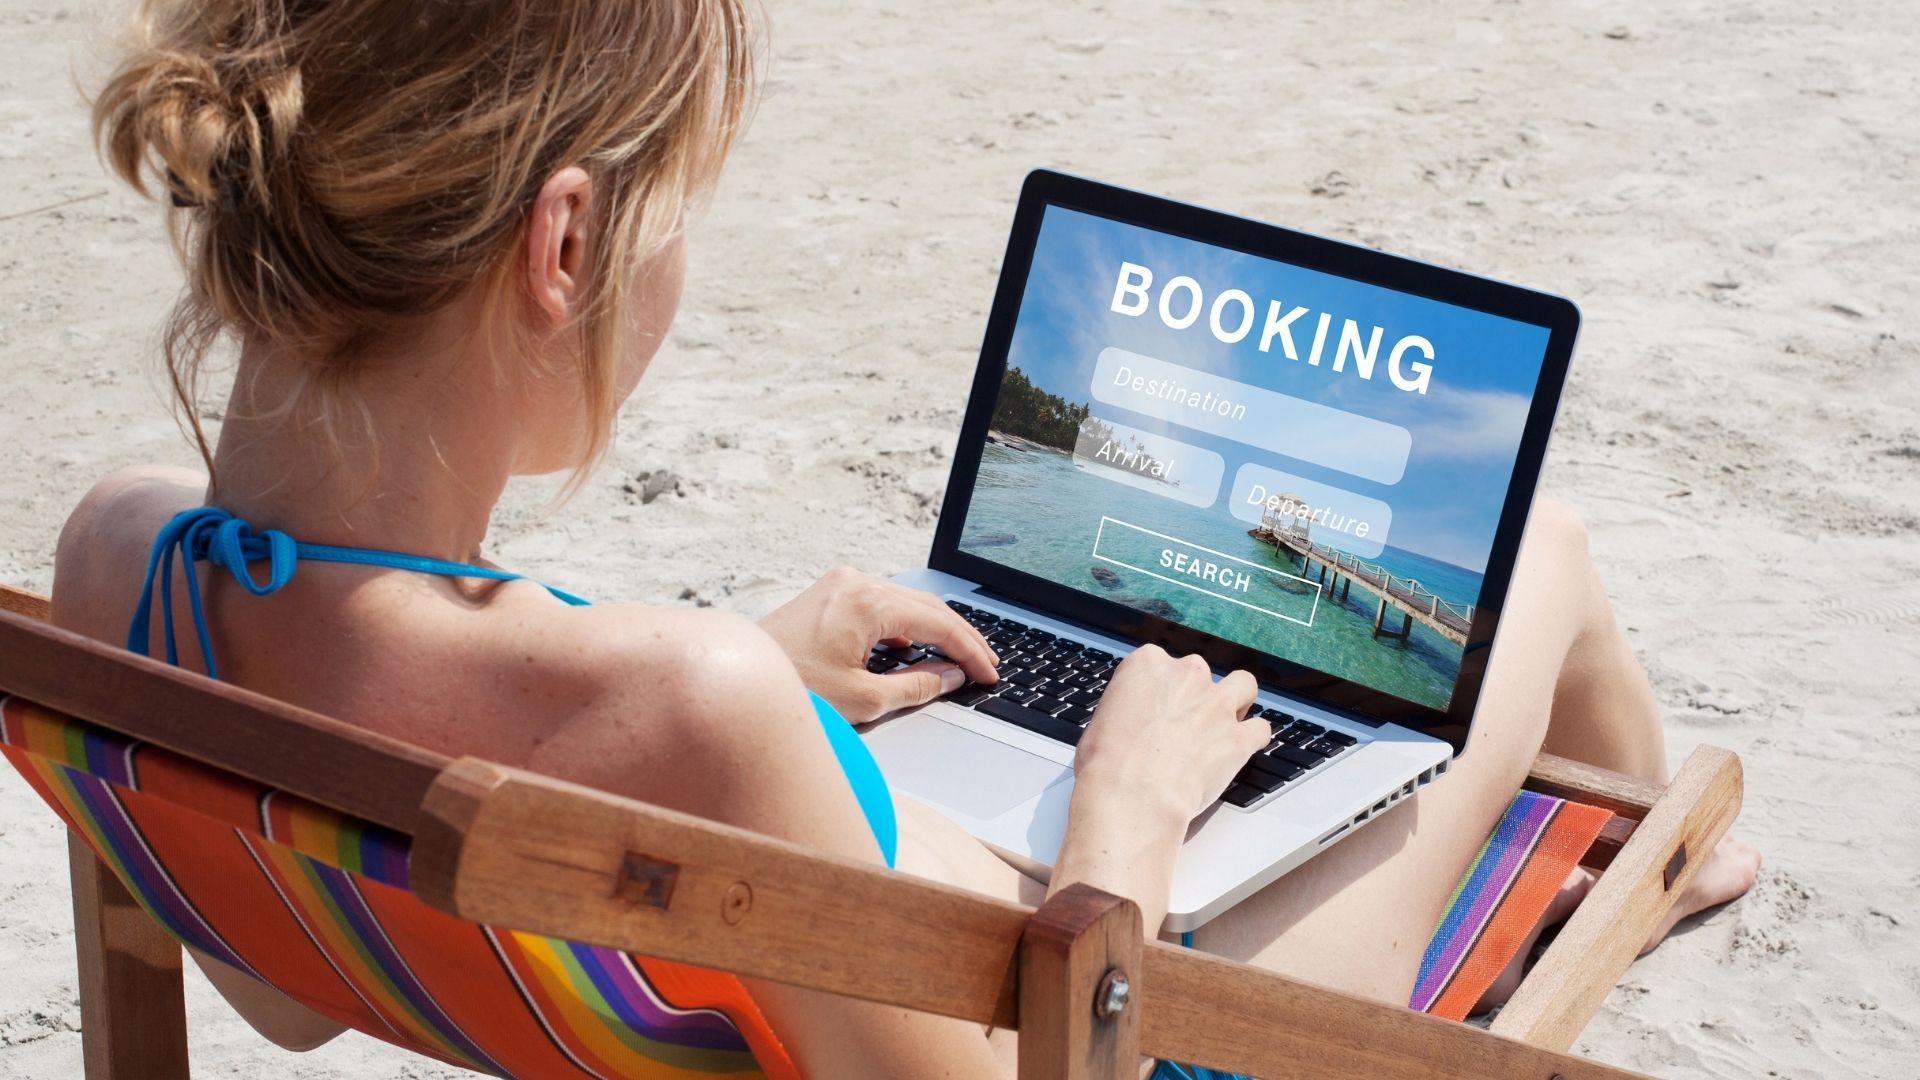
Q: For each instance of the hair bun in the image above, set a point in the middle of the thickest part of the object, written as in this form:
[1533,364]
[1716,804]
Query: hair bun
[210,136]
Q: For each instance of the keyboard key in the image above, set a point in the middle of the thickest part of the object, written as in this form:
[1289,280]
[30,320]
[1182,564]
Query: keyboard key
[1258,778]
[1052,706]
[970,695]
[1077,714]
[1295,756]
[1242,795]
[1274,767]
[1037,722]
[1322,747]
[1099,655]
[912,654]
[1022,678]
[881,663]
[1023,695]
[1339,738]
[958,607]
[1309,727]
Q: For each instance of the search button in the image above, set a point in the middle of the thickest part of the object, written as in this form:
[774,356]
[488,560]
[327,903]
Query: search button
[1214,574]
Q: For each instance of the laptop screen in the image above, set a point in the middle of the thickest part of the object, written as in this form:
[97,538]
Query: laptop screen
[1305,464]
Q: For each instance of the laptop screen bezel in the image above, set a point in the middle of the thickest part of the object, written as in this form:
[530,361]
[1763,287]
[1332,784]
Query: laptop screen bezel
[1559,316]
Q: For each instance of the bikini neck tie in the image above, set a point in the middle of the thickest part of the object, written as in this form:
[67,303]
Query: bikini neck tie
[210,534]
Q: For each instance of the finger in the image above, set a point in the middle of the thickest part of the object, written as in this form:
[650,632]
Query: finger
[1240,689]
[918,684]
[1141,659]
[940,606]
[935,624]
[1254,734]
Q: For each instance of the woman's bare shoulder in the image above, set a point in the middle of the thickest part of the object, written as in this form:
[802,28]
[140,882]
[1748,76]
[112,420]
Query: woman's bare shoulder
[662,654]
[109,532]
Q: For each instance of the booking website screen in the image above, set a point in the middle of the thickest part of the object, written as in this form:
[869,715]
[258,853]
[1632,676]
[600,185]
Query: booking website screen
[1301,463]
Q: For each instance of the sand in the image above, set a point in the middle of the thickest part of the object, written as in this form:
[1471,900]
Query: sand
[1727,188]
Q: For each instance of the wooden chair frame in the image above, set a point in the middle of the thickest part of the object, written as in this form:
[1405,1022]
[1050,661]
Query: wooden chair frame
[1087,990]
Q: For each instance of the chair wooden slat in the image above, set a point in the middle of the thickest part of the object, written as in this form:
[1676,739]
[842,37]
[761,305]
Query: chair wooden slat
[507,847]
[1210,1011]
[317,757]
[22,602]
[1565,778]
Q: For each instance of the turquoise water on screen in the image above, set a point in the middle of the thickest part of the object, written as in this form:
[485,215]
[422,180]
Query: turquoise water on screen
[1036,511]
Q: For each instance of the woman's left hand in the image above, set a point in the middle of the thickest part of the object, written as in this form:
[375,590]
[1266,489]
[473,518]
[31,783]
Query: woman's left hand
[829,630]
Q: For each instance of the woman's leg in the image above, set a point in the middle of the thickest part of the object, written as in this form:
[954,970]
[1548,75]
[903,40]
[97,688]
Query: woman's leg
[1358,916]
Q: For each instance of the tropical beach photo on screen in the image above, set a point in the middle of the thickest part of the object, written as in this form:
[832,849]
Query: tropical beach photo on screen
[1305,464]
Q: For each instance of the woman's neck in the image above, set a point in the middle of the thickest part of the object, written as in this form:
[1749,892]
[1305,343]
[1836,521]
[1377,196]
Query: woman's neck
[419,453]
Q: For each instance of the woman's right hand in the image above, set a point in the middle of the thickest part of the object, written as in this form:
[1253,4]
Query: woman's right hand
[1165,728]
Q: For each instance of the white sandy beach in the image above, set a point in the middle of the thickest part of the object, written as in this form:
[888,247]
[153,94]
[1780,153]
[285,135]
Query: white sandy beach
[1727,188]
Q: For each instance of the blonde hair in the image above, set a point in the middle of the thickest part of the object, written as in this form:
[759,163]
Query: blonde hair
[338,166]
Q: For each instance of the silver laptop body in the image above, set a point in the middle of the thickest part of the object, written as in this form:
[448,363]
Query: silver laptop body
[1348,747]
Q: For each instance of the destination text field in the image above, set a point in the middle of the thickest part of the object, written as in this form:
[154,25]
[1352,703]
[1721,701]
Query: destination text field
[1304,430]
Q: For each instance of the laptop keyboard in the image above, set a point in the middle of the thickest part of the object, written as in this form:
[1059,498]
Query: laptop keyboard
[1050,686]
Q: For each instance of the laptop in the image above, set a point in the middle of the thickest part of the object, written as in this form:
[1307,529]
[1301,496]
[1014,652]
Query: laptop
[1288,454]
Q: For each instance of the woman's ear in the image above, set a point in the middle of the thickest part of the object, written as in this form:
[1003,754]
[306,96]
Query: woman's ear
[556,243]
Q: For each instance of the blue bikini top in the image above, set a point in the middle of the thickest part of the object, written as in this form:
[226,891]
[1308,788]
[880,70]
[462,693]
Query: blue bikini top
[211,534]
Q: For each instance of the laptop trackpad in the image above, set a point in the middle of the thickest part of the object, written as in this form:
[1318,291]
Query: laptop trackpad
[961,770]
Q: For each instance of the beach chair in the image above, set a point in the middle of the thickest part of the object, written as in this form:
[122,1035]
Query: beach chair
[517,924]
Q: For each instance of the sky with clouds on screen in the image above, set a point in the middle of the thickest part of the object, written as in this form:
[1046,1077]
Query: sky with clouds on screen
[1466,427]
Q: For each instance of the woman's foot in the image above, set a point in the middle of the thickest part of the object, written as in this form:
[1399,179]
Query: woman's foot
[1729,873]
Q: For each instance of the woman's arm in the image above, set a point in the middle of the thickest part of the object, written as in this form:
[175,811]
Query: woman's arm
[1163,744]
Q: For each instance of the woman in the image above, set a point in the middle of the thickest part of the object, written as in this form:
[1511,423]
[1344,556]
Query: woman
[447,239]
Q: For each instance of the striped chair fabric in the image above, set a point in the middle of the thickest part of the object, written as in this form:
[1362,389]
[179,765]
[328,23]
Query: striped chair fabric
[317,905]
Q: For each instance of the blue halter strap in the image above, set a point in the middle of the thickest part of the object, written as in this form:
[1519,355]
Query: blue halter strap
[211,534]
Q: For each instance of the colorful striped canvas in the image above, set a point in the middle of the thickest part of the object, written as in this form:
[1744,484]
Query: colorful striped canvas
[316,905]
[1501,899]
